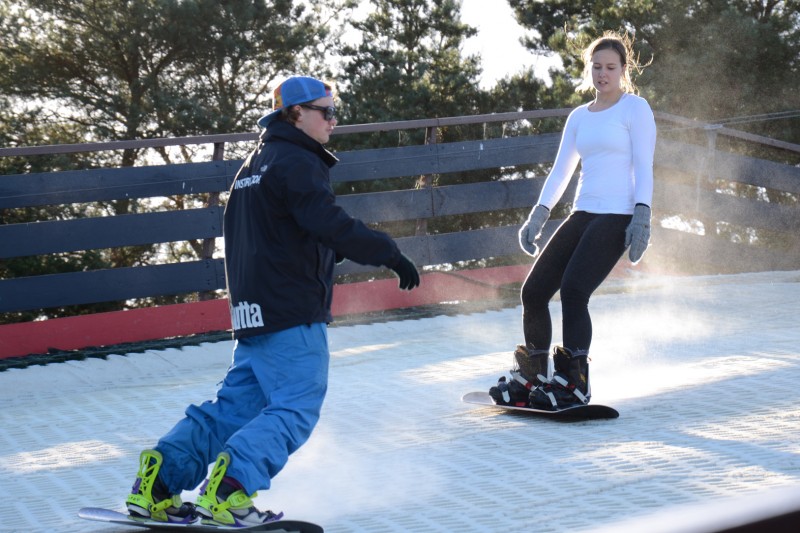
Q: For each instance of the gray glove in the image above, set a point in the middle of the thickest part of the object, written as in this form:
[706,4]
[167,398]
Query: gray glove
[532,228]
[637,236]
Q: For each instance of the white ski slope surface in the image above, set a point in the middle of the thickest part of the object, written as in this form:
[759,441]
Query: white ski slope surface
[704,371]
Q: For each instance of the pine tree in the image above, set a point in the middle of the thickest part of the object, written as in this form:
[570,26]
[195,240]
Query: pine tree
[711,60]
[408,65]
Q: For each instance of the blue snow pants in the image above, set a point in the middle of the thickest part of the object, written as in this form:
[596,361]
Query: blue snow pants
[265,409]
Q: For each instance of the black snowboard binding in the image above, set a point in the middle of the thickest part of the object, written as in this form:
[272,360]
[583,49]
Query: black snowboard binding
[530,371]
[570,384]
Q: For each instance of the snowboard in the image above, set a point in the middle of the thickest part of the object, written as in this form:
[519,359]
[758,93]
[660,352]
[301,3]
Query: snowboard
[113,517]
[578,412]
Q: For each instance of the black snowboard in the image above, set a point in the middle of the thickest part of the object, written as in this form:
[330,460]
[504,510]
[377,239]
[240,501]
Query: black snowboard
[279,526]
[578,412]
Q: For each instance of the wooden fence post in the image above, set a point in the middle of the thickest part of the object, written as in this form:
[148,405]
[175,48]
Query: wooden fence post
[708,172]
[213,201]
[426,180]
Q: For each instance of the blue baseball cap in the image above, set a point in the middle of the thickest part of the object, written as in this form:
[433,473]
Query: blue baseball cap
[293,91]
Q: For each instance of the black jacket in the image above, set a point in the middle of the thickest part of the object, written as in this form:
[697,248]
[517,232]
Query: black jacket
[282,231]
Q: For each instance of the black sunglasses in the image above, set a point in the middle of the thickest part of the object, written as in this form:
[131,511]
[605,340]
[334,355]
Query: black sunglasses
[328,112]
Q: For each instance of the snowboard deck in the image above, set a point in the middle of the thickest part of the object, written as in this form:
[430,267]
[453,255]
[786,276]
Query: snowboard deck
[114,517]
[578,412]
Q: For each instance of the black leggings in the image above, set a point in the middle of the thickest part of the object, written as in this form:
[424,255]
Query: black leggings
[579,256]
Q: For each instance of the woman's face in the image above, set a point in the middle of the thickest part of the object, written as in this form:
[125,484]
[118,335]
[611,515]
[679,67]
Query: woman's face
[312,121]
[607,72]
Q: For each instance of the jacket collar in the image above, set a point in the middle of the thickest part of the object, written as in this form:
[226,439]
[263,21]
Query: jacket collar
[280,129]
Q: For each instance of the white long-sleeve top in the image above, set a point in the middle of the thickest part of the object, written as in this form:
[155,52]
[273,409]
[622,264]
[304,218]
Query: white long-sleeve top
[615,147]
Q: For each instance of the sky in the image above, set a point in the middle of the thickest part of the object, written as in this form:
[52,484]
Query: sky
[498,41]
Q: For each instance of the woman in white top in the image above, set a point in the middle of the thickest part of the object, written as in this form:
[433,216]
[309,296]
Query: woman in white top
[613,137]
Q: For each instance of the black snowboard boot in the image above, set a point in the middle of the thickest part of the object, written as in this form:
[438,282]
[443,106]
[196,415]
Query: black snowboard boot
[570,383]
[530,371]
[532,364]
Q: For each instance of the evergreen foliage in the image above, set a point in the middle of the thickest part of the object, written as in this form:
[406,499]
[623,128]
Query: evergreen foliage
[105,70]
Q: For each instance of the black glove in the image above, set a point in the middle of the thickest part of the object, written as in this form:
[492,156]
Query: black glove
[407,272]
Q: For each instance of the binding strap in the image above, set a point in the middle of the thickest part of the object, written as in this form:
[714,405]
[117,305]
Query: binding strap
[516,376]
[572,388]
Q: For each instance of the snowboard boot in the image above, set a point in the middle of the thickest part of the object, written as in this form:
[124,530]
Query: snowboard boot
[570,384]
[532,364]
[149,497]
[223,501]
[530,371]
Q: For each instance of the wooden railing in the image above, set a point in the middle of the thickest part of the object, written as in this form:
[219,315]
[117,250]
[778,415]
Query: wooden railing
[692,184]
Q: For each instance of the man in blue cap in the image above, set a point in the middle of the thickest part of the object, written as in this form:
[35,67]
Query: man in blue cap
[283,234]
